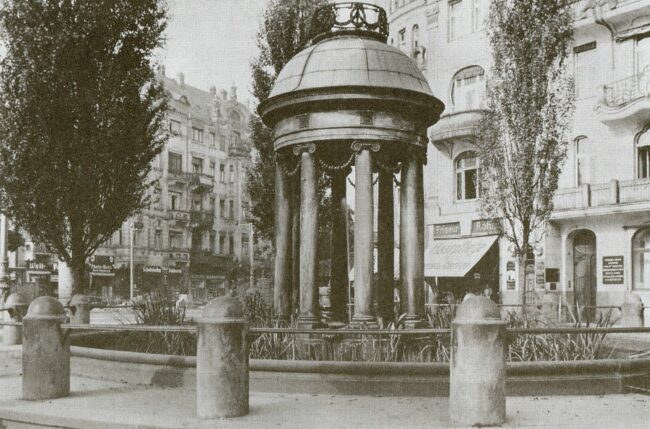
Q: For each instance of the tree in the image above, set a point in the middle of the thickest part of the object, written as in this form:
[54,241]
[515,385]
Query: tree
[523,134]
[80,119]
[285,31]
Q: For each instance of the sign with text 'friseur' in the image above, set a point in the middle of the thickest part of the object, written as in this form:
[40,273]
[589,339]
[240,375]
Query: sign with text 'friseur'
[446,229]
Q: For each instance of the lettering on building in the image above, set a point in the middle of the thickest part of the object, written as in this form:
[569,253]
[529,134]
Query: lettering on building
[446,229]
[613,273]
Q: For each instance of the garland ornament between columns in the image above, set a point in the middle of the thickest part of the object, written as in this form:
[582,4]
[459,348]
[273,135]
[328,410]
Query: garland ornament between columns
[334,167]
[282,162]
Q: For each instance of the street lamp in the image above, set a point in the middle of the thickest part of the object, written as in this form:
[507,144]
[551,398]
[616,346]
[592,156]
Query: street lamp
[132,228]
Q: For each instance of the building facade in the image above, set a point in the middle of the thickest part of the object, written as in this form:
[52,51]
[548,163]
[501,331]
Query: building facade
[196,230]
[597,245]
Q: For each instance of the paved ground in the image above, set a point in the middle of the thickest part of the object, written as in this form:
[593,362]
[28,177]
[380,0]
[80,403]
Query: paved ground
[100,404]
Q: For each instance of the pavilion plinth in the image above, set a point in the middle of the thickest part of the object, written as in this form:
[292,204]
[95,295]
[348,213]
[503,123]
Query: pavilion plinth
[350,100]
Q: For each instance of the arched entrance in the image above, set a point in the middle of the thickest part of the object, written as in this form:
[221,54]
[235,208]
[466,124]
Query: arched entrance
[584,273]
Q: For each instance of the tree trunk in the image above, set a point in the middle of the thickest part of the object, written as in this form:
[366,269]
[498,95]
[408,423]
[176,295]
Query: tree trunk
[78,269]
[521,280]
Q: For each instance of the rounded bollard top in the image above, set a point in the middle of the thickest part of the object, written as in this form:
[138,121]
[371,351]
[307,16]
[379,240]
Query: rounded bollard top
[46,307]
[478,309]
[632,298]
[223,309]
[78,299]
[15,300]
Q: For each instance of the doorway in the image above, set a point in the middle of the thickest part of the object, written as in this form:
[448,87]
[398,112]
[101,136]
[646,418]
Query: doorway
[584,274]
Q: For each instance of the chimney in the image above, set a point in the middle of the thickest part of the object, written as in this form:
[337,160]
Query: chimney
[180,78]
[224,94]
[233,93]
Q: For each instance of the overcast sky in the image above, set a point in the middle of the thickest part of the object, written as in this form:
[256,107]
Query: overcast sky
[212,42]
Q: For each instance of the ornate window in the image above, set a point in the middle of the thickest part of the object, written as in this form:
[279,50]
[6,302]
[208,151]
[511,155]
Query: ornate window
[467,176]
[455,19]
[235,119]
[478,18]
[642,54]
[583,160]
[641,259]
[468,89]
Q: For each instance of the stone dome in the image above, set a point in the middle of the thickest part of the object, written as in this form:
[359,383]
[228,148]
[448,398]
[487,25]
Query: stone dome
[46,307]
[14,300]
[349,60]
[478,309]
[223,308]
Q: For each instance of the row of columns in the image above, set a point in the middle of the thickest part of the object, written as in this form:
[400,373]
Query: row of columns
[296,227]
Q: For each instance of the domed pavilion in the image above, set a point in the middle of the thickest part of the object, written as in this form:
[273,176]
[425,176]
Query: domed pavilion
[349,100]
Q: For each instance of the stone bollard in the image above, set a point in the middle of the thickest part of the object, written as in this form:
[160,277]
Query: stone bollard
[632,310]
[16,306]
[549,308]
[80,309]
[222,360]
[477,394]
[46,351]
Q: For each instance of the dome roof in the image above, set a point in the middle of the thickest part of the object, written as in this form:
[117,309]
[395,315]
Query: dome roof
[350,60]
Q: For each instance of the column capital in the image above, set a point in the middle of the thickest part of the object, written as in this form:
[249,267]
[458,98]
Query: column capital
[359,146]
[306,147]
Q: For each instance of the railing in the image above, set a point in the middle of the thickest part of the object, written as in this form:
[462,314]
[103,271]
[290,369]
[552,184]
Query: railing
[350,17]
[602,194]
[202,218]
[631,88]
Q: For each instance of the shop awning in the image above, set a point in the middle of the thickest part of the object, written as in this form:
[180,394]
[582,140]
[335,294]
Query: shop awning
[455,257]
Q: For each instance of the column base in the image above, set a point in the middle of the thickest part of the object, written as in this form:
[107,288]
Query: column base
[309,322]
[414,322]
[367,322]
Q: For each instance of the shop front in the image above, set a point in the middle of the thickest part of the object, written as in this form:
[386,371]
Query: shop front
[102,276]
[454,267]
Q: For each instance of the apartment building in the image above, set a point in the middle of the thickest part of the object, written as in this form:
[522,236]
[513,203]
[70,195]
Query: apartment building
[597,244]
[196,228]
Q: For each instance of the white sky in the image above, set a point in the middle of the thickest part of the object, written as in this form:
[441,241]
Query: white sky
[213,42]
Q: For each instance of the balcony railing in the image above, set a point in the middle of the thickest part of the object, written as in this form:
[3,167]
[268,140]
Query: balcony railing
[202,219]
[180,216]
[631,88]
[603,194]
[200,182]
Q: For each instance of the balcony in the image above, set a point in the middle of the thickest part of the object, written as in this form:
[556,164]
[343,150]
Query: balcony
[627,99]
[628,195]
[200,182]
[455,127]
[202,219]
[179,254]
[181,217]
[177,178]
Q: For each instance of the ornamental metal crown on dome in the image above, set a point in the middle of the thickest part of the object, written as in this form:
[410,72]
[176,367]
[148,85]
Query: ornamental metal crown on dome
[354,18]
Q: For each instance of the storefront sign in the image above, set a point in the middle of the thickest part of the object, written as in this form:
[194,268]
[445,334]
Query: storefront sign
[101,264]
[175,271]
[40,263]
[446,229]
[485,226]
[151,269]
[613,270]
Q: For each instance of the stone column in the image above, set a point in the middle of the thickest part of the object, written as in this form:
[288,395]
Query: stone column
[386,246]
[282,280]
[309,312]
[338,250]
[412,237]
[295,244]
[363,236]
